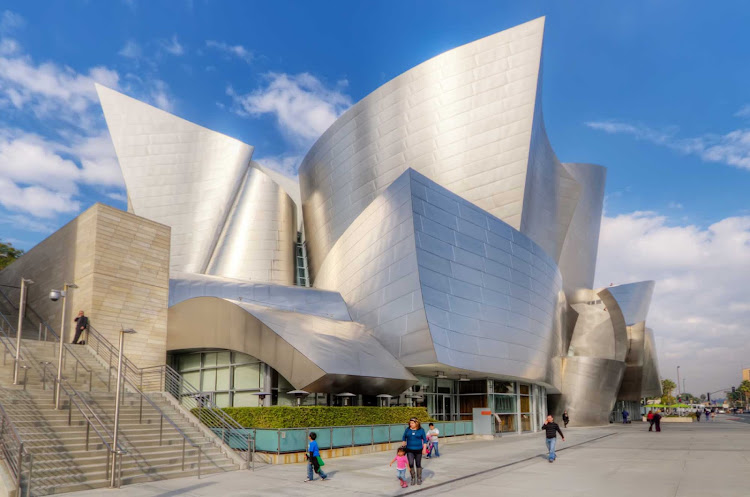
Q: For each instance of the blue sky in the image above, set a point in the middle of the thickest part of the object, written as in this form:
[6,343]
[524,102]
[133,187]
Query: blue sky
[654,90]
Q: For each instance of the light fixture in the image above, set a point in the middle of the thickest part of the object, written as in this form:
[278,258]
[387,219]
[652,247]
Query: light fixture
[463,377]
[440,375]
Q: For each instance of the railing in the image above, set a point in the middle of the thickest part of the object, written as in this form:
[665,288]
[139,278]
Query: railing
[48,333]
[165,379]
[14,452]
[333,437]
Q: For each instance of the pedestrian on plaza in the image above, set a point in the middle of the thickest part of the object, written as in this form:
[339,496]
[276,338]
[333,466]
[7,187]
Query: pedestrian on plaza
[657,420]
[713,415]
[566,418]
[415,443]
[698,415]
[551,429]
[708,415]
[314,461]
[650,419]
[82,324]
[432,435]
[625,415]
[401,463]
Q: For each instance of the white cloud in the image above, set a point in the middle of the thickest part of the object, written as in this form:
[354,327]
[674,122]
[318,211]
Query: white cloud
[9,46]
[287,165]
[26,223]
[38,201]
[10,21]
[743,112]
[732,148]
[172,46]
[233,50]
[675,205]
[302,105]
[131,50]
[699,310]
[159,95]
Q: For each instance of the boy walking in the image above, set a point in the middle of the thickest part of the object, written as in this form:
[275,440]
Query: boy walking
[313,459]
[551,430]
[432,435]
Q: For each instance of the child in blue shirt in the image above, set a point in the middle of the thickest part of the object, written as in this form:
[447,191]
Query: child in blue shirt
[313,452]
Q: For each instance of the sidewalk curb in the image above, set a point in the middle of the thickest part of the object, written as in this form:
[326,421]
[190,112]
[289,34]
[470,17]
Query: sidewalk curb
[431,487]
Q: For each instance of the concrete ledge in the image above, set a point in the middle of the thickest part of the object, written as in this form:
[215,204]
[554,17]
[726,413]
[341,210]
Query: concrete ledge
[299,457]
[685,419]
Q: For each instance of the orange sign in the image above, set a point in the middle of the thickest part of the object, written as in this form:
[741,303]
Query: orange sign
[486,413]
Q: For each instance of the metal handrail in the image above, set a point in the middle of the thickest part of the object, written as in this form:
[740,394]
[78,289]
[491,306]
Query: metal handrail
[48,330]
[168,377]
[14,452]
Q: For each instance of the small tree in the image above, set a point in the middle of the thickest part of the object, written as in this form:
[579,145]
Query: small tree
[667,386]
[744,388]
[8,254]
[703,397]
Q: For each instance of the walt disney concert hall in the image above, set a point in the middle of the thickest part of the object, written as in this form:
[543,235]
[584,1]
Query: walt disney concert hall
[432,252]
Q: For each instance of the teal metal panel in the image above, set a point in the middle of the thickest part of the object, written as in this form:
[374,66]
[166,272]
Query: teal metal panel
[450,429]
[324,437]
[362,435]
[342,436]
[397,432]
[381,434]
[293,440]
[459,428]
[267,440]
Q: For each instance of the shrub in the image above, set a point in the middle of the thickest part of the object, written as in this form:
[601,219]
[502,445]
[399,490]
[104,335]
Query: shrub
[309,416]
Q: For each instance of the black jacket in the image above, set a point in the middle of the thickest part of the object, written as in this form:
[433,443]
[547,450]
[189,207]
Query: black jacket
[552,429]
[83,322]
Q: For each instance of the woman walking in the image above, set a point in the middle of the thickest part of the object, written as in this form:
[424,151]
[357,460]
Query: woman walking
[566,418]
[415,442]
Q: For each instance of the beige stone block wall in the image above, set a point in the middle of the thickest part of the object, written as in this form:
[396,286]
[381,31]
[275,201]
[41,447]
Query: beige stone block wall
[120,263]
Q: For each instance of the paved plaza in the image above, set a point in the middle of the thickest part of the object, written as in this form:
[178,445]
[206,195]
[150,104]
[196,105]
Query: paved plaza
[697,459]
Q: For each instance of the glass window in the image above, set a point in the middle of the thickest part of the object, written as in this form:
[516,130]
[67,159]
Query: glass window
[504,387]
[473,386]
[221,400]
[193,377]
[524,389]
[189,361]
[209,359]
[246,399]
[444,386]
[505,403]
[247,377]
[525,404]
[506,424]
[222,379]
[209,380]
[223,359]
[525,422]
[240,358]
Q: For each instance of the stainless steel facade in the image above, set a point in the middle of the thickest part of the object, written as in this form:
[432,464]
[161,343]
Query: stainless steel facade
[443,235]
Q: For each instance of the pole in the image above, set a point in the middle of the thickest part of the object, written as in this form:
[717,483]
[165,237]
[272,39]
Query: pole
[60,352]
[113,476]
[678,380]
[21,310]
[683,385]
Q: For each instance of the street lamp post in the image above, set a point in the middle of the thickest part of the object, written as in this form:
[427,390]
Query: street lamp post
[54,295]
[21,311]
[678,380]
[113,476]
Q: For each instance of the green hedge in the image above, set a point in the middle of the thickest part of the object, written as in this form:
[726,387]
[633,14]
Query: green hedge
[309,416]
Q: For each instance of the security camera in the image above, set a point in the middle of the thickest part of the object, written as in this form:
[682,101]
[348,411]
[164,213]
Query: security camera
[55,295]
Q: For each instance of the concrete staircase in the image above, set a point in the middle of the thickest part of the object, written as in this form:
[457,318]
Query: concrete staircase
[56,439]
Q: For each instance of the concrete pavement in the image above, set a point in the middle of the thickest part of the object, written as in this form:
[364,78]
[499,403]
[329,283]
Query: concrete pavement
[696,459]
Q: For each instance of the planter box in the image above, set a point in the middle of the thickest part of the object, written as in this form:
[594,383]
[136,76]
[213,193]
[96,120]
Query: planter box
[685,419]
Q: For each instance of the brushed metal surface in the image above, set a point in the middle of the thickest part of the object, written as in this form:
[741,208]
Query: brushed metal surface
[469,119]
[634,299]
[651,384]
[204,186]
[579,250]
[258,239]
[442,284]
[184,286]
[590,386]
[313,353]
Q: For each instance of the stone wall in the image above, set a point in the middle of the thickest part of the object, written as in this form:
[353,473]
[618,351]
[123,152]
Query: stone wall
[120,263]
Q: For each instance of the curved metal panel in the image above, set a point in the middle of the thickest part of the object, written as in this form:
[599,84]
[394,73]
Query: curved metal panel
[184,286]
[651,384]
[589,389]
[177,173]
[595,334]
[632,381]
[579,249]
[463,118]
[444,285]
[312,352]
[258,239]
[633,299]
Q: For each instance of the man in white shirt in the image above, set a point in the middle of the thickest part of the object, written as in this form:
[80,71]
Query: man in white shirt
[432,436]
